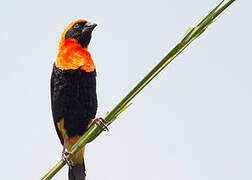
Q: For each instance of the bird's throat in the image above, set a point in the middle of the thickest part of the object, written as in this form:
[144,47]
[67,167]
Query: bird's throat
[73,56]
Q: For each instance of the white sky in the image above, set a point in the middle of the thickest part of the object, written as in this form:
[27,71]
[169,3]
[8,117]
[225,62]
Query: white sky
[193,122]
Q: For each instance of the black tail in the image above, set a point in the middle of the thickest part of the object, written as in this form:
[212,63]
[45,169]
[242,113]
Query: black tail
[77,172]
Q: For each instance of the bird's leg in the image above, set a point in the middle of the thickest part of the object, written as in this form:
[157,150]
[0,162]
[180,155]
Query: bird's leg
[65,153]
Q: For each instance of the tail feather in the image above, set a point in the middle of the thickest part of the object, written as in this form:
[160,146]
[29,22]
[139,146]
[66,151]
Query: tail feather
[77,172]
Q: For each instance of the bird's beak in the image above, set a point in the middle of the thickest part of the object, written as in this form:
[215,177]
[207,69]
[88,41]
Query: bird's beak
[89,26]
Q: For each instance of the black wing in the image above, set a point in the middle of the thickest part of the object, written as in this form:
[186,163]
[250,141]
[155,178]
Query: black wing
[56,115]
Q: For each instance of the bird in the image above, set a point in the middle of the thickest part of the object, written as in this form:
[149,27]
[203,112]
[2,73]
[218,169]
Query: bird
[73,92]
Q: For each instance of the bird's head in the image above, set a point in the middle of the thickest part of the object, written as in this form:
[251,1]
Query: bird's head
[80,30]
[73,53]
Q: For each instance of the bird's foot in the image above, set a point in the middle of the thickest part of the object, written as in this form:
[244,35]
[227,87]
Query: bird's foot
[64,158]
[101,123]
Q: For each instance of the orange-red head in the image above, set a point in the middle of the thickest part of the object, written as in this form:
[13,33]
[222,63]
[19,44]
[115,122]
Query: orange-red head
[73,48]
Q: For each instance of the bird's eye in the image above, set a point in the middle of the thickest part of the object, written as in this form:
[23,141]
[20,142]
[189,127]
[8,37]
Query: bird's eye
[77,25]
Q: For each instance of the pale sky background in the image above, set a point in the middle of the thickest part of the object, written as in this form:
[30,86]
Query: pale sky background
[192,122]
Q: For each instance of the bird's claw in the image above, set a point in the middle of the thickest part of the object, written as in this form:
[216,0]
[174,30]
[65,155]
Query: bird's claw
[64,158]
[101,123]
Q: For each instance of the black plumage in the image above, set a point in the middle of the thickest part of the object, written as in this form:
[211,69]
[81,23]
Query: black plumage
[73,97]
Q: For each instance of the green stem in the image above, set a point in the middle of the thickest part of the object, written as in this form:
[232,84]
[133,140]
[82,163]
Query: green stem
[95,130]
